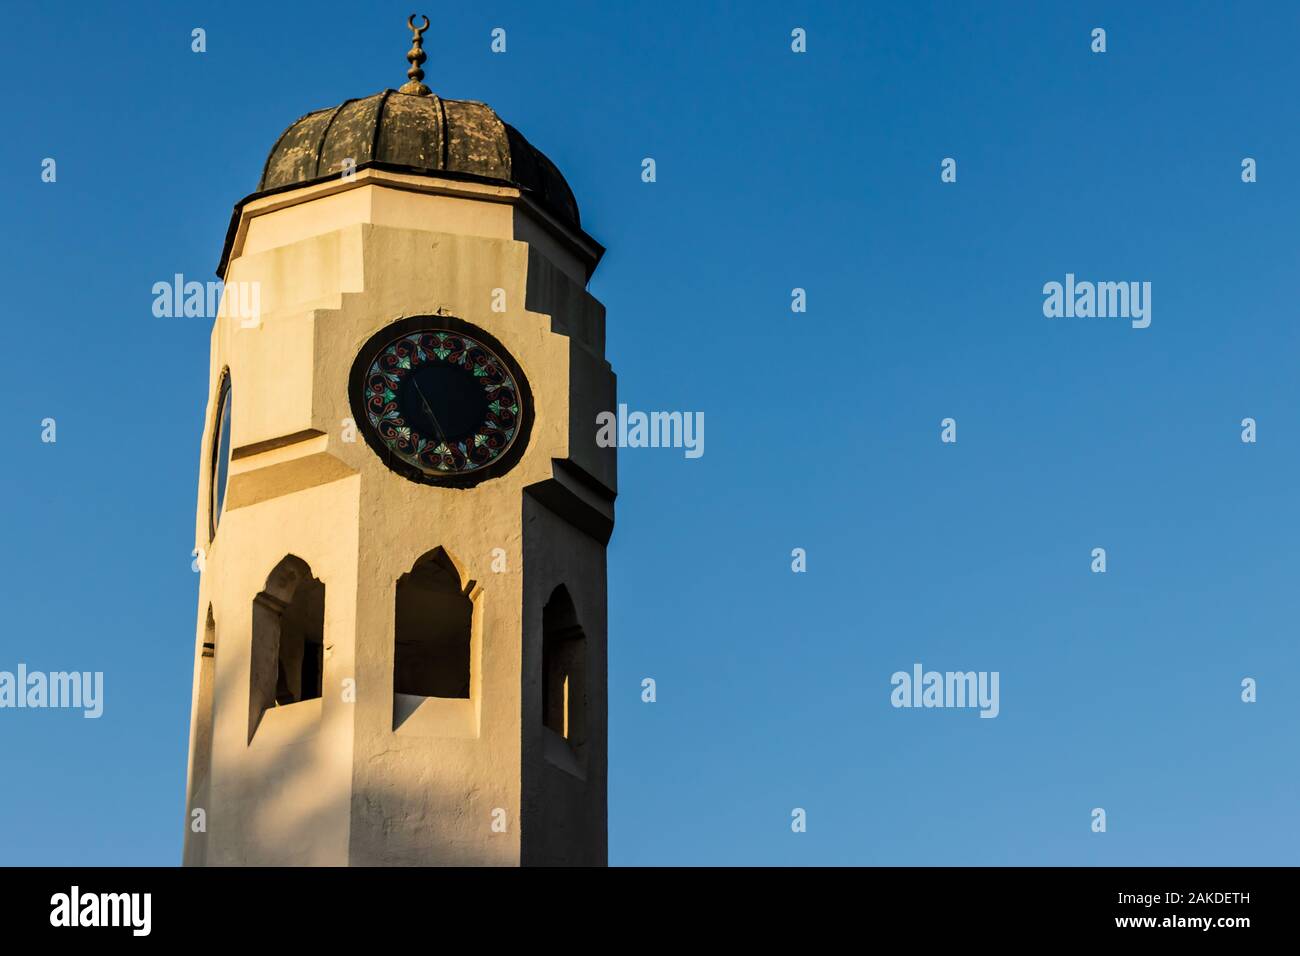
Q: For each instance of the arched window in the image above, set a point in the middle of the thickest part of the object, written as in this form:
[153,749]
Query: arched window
[220,456]
[432,630]
[204,714]
[288,640]
[564,669]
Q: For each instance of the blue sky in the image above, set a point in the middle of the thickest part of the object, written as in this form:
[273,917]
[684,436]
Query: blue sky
[774,171]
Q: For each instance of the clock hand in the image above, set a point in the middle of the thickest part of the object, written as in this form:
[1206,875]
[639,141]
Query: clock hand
[424,401]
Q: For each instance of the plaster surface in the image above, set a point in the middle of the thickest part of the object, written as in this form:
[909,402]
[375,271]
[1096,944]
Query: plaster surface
[359,776]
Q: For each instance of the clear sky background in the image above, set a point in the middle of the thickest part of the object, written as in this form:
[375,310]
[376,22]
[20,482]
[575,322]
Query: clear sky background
[775,171]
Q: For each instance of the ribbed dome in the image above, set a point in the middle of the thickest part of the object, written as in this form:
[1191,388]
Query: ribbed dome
[421,134]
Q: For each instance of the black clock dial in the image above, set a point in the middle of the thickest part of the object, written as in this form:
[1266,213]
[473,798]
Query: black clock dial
[443,400]
[439,402]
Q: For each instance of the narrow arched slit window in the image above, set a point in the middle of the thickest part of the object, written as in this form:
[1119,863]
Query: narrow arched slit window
[564,669]
[205,705]
[200,785]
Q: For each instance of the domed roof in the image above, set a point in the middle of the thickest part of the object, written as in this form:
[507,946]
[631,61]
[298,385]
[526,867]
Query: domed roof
[419,133]
[410,130]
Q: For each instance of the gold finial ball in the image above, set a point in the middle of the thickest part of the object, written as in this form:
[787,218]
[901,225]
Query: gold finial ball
[416,56]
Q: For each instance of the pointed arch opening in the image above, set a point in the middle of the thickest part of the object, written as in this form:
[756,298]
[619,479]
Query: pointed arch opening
[288,646]
[433,630]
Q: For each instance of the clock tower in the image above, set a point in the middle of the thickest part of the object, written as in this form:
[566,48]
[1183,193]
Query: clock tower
[403,510]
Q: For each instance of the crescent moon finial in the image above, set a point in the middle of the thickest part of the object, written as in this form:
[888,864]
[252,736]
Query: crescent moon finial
[418,31]
[416,57]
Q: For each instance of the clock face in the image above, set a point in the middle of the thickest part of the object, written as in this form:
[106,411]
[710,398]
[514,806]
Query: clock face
[440,402]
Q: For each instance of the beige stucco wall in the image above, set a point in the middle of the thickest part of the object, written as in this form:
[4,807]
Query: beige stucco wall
[331,781]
